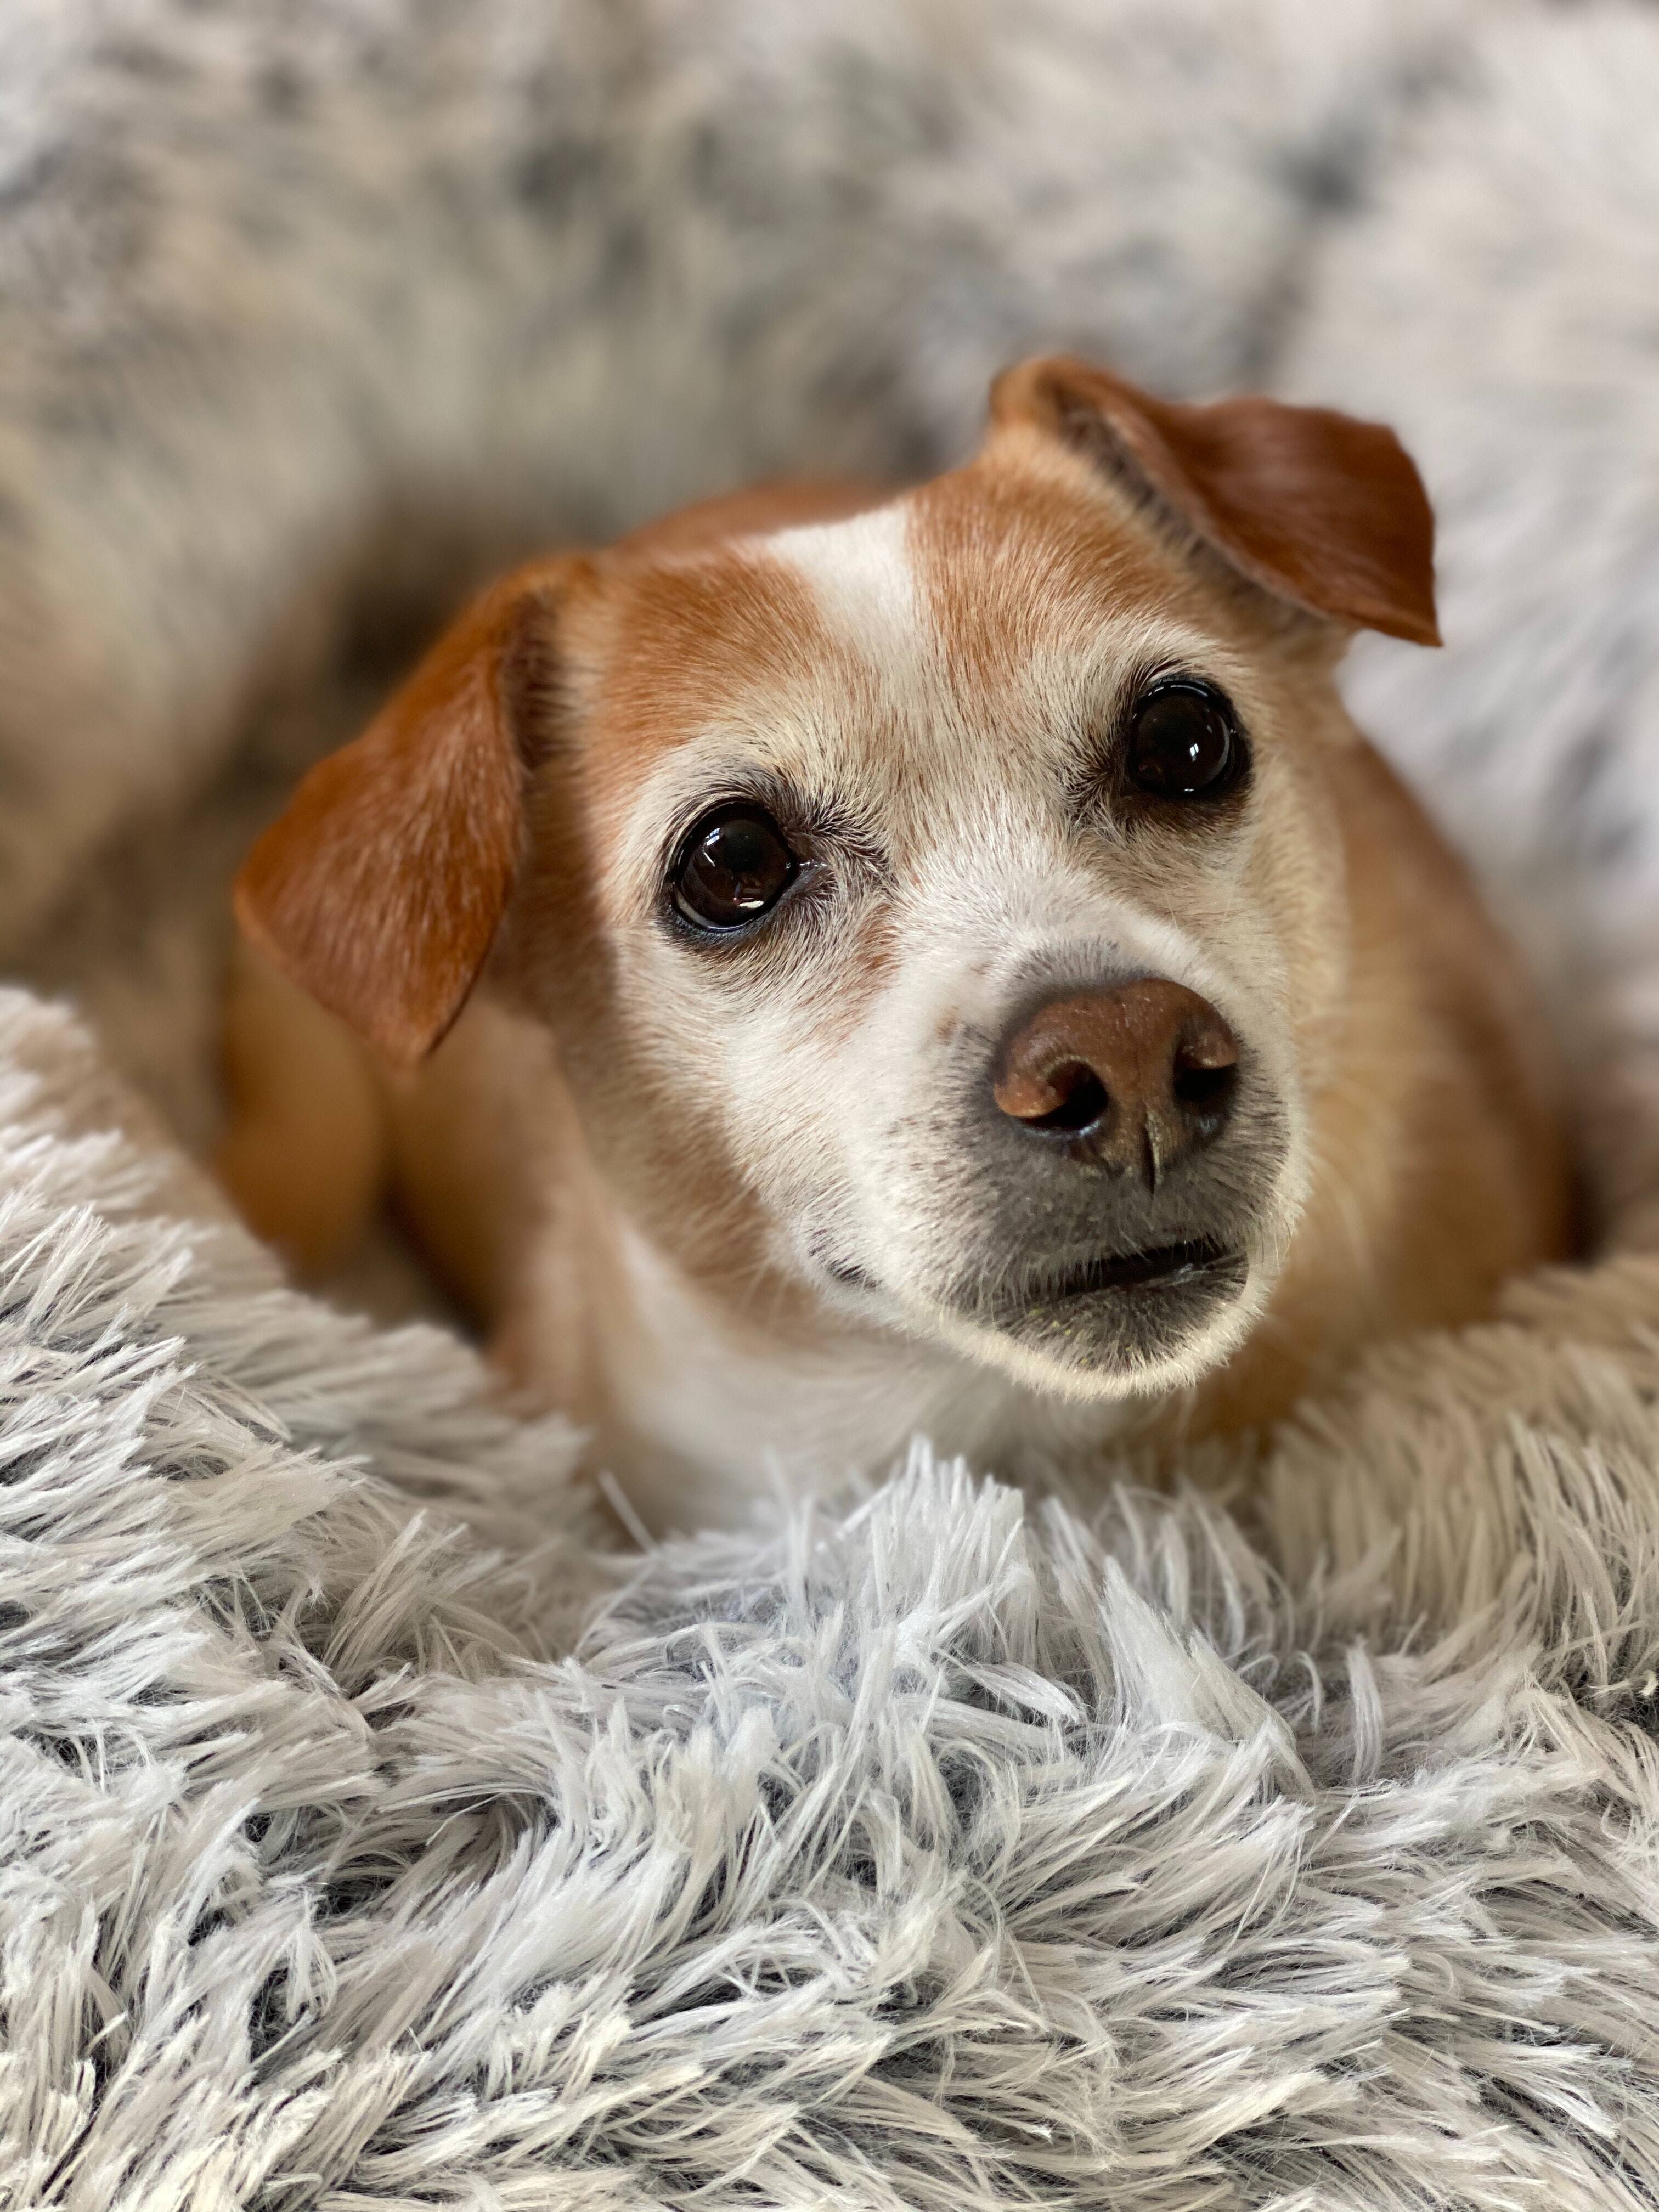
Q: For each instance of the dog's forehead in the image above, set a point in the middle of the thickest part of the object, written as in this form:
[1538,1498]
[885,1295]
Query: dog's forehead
[875,655]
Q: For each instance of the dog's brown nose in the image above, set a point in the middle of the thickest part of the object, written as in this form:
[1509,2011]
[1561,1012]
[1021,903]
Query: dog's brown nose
[1135,1078]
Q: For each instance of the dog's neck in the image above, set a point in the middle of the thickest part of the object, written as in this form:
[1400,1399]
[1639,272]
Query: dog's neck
[692,1405]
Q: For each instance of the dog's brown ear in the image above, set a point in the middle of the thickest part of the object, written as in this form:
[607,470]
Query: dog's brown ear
[380,888]
[1315,507]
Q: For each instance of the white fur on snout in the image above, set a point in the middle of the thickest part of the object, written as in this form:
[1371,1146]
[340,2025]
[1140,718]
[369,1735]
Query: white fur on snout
[982,936]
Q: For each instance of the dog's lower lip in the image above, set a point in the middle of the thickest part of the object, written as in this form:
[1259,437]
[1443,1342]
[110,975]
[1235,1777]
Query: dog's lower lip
[1160,1267]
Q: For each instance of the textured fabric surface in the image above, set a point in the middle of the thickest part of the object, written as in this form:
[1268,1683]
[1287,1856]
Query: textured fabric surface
[370,1837]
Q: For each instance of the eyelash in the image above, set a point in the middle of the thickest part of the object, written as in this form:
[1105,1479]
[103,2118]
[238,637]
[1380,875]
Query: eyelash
[1101,781]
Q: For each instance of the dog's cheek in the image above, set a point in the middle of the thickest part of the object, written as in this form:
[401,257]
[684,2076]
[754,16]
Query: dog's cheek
[1295,889]
[900,1191]
[794,1116]
[635,1045]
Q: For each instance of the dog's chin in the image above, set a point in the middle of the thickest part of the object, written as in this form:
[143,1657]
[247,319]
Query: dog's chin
[1096,1326]
[1119,1325]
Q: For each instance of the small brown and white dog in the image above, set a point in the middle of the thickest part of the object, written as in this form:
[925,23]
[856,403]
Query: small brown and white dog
[951,965]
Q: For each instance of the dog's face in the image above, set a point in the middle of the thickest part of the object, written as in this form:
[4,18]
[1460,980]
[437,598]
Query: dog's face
[961,915]
[940,908]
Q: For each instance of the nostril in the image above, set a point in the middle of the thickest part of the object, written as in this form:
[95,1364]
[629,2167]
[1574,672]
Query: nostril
[1082,1101]
[1142,1067]
[1201,1089]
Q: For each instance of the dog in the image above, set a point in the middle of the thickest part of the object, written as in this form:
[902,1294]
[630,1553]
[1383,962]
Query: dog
[848,964]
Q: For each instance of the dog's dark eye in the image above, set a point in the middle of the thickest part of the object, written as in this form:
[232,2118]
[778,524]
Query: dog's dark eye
[733,868]
[1183,742]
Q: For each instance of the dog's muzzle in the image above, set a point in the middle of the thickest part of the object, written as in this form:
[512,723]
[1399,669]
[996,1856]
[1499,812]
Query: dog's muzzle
[1127,1160]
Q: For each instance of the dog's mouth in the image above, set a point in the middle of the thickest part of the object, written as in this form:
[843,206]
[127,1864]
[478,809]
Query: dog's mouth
[1105,1315]
[1199,1263]
[1202,1262]
[1122,1313]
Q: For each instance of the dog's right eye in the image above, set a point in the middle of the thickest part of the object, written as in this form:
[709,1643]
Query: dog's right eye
[732,868]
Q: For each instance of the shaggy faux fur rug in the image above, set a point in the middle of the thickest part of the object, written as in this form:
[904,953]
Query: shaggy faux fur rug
[371,1836]
[374,1832]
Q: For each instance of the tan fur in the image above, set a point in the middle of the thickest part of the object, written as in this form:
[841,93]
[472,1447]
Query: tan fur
[1318,508]
[384,885]
[1443,1167]
[305,1152]
[617,1153]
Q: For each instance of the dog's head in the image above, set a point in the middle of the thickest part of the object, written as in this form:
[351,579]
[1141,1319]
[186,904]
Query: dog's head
[940,908]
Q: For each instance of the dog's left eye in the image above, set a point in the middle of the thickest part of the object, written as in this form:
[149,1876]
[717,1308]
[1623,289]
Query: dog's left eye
[733,867]
[1184,742]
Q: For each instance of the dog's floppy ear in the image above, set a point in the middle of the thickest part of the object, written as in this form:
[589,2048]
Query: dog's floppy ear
[381,887]
[1315,507]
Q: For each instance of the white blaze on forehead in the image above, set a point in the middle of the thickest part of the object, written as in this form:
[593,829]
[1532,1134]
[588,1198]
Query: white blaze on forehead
[862,577]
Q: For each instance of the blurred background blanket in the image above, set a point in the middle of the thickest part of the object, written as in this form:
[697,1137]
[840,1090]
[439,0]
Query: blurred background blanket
[370,1835]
